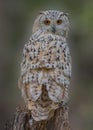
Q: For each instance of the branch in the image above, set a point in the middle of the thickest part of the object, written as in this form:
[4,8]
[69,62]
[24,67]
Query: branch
[22,121]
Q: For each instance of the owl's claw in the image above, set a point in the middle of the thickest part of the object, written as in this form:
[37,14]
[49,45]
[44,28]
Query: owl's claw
[31,121]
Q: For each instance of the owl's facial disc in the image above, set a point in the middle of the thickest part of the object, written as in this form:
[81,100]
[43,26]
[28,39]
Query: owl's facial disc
[52,25]
[54,22]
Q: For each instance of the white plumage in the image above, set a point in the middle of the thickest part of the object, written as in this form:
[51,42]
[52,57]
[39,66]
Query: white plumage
[46,65]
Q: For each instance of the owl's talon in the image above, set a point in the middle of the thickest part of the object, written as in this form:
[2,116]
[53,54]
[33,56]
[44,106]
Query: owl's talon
[31,122]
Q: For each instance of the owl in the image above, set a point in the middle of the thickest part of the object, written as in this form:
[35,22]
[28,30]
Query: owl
[46,65]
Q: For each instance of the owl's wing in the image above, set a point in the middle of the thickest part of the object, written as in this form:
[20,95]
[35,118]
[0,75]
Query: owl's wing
[62,72]
[31,89]
[64,68]
[60,77]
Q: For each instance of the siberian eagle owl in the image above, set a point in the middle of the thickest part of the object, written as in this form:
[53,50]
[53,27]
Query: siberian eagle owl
[46,65]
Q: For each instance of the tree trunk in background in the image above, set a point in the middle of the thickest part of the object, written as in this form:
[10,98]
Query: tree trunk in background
[21,118]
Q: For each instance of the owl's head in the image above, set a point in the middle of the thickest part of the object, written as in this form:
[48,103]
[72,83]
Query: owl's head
[52,21]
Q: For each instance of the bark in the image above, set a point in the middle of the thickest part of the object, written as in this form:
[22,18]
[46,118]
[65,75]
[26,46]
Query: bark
[22,120]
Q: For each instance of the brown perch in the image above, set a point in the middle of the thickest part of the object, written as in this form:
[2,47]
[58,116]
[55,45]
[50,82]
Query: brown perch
[20,121]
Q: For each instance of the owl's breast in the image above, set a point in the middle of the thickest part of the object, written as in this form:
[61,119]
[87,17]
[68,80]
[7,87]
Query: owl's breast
[47,52]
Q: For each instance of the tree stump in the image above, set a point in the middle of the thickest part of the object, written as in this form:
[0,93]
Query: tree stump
[21,121]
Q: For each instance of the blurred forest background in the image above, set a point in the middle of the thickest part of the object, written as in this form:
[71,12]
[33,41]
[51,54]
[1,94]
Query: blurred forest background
[16,19]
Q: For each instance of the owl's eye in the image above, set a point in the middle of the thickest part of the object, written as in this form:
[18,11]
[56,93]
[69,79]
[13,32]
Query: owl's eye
[59,21]
[47,22]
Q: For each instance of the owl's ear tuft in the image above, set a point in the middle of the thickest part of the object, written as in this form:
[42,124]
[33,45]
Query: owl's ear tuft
[63,13]
[66,14]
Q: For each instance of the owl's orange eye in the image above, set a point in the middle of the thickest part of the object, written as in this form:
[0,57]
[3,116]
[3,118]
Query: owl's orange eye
[59,21]
[47,22]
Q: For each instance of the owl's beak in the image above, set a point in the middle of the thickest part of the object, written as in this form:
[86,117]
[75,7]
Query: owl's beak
[53,29]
